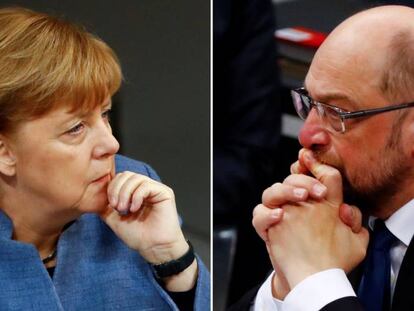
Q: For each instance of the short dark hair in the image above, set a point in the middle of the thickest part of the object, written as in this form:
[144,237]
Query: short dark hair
[397,83]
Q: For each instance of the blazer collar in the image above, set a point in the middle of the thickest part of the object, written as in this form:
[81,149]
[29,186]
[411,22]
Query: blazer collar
[403,295]
[6,226]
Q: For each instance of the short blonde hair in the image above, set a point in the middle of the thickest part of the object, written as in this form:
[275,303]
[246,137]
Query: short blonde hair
[46,63]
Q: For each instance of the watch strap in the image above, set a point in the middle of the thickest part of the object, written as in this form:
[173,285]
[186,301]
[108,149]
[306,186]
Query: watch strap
[175,266]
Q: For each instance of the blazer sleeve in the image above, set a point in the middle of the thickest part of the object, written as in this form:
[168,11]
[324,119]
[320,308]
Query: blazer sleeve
[344,304]
[202,296]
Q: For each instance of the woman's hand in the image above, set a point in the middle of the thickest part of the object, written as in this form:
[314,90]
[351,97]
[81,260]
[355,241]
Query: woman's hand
[142,213]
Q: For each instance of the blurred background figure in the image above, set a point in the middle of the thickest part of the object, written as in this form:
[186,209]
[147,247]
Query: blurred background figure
[246,129]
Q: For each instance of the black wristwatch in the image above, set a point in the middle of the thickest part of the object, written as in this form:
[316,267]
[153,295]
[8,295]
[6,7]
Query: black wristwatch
[175,266]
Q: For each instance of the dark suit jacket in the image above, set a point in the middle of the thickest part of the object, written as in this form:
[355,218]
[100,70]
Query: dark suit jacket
[403,296]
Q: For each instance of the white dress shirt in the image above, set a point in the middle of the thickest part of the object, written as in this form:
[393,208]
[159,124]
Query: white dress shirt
[322,288]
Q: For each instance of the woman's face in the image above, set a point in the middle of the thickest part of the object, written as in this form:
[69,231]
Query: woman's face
[64,160]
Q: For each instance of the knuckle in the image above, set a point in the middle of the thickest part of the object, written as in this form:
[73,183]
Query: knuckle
[275,185]
[136,196]
[290,178]
[333,174]
[124,197]
[265,194]
[169,191]
[145,184]
[254,223]
[362,252]
[255,210]
[271,192]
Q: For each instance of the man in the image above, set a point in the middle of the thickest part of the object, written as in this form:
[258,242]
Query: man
[358,140]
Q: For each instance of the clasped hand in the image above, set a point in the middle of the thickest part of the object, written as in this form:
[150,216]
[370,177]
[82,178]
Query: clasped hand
[306,226]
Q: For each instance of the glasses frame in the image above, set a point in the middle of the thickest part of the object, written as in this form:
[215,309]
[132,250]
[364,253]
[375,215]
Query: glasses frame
[343,114]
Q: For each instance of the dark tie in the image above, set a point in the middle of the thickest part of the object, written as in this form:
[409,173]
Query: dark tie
[375,288]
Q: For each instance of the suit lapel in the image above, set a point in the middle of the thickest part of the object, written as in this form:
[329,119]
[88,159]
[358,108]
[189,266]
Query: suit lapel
[403,299]
[355,276]
[404,295]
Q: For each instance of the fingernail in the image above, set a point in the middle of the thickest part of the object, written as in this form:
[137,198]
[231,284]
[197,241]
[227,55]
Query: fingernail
[131,206]
[123,213]
[276,213]
[294,167]
[299,193]
[319,189]
[112,200]
[121,206]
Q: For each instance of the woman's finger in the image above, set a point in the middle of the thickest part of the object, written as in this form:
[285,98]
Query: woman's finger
[151,192]
[115,186]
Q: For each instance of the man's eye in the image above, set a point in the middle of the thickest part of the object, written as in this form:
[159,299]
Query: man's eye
[77,129]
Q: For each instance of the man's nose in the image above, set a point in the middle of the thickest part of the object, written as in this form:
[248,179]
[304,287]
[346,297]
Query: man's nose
[106,143]
[313,133]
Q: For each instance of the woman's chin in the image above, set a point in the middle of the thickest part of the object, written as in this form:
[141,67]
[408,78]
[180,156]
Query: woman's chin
[93,203]
[94,199]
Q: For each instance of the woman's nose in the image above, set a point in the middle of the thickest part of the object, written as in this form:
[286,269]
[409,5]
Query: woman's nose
[107,144]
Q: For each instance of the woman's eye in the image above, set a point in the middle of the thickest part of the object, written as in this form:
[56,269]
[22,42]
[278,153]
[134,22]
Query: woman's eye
[77,129]
[106,114]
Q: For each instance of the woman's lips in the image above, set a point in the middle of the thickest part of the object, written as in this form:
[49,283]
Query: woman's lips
[105,178]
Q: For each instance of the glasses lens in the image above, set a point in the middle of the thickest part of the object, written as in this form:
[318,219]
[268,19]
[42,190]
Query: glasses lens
[302,104]
[333,119]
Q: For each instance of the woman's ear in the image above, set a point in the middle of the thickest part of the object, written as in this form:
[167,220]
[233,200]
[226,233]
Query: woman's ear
[7,159]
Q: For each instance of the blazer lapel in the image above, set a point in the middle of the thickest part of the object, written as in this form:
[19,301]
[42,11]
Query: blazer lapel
[404,295]
[24,281]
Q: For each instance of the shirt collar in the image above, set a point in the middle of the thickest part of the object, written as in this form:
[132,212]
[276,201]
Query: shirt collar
[400,223]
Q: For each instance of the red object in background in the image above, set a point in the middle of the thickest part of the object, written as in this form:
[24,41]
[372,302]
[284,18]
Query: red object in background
[301,36]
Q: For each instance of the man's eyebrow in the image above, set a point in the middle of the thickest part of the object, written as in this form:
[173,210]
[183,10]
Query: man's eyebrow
[329,97]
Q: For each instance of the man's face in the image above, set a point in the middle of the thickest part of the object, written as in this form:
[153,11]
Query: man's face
[65,160]
[370,154]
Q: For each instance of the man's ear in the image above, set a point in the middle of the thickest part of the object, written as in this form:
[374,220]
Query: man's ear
[7,159]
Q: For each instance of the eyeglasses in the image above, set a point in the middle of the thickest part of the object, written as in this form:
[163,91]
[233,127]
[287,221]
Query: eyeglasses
[334,116]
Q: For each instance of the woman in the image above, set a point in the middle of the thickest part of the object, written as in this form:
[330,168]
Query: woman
[76,233]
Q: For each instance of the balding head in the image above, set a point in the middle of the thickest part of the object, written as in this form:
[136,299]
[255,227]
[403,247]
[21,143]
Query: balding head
[366,55]
[376,46]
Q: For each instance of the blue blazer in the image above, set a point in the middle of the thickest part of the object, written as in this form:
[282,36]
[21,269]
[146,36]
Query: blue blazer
[95,270]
